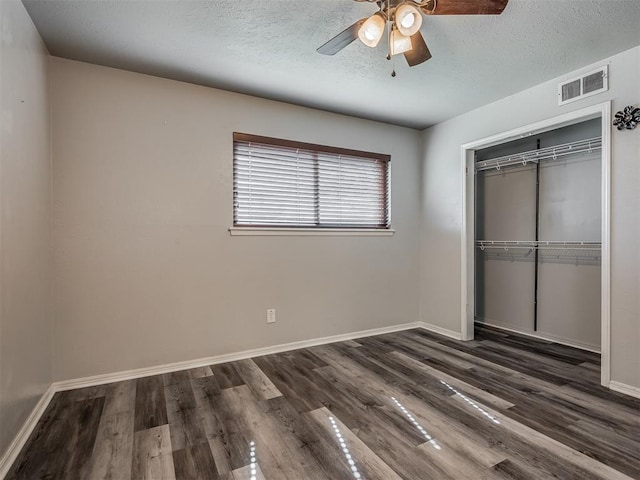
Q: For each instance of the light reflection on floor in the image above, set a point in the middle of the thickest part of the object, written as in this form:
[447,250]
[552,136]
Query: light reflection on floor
[345,449]
[415,423]
[471,402]
[253,461]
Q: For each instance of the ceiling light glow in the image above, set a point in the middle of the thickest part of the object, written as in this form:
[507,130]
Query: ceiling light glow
[399,43]
[408,19]
[371,30]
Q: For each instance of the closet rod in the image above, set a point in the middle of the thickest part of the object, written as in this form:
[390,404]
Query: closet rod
[588,145]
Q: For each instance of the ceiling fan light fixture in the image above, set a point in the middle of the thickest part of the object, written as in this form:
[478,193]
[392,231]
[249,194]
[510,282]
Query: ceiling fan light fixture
[399,43]
[372,29]
[408,19]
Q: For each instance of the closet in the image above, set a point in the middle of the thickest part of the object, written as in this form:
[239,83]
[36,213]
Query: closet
[538,234]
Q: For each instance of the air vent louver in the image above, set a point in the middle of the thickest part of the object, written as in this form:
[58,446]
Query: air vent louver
[583,86]
[571,90]
[592,83]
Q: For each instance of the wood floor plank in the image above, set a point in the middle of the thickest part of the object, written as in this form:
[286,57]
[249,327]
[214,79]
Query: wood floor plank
[374,363]
[583,465]
[550,365]
[151,409]
[273,444]
[427,348]
[220,457]
[560,409]
[179,394]
[152,454]
[200,372]
[256,380]
[605,446]
[538,346]
[370,465]
[194,463]
[220,436]
[42,443]
[205,388]
[471,452]
[295,385]
[407,405]
[186,428]
[227,429]
[246,473]
[509,469]
[596,390]
[184,418]
[305,358]
[87,393]
[113,450]
[478,393]
[395,437]
[472,446]
[514,442]
[227,375]
[321,446]
[62,442]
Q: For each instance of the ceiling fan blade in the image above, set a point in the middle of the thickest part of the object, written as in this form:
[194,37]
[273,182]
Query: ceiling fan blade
[341,40]
[419,52]
[464,7]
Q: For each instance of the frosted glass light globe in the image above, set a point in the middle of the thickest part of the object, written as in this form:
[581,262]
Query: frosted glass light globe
[408,19]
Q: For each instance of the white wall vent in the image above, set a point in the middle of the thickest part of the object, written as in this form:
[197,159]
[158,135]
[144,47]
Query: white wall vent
[588,84]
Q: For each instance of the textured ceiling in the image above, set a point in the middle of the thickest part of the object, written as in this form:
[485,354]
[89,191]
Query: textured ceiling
[267,48]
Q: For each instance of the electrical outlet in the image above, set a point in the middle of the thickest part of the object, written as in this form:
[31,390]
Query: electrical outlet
[271,315]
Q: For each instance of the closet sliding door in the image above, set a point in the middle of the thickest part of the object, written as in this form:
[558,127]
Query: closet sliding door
[538,222]
[569,283]
[506,211]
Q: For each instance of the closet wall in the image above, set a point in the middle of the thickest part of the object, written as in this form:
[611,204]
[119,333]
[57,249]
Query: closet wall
[568,287]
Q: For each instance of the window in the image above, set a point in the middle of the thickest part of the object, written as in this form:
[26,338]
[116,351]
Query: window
[279,183]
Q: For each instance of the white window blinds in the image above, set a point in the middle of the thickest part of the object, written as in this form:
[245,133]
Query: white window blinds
[279,183]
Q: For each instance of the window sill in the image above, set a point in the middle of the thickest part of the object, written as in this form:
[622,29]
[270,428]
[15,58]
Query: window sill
[310,232]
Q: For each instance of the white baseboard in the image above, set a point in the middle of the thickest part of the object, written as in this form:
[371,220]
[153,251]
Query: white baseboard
[6,460]
[229,357]
[441,331]
[549,338]
[624,388]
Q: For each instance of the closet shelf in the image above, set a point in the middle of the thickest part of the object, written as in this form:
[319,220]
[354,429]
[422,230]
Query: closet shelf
[556,152]
[579,253]
[538,245]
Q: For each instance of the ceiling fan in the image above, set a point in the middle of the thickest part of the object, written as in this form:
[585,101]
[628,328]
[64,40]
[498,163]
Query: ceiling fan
[405,19]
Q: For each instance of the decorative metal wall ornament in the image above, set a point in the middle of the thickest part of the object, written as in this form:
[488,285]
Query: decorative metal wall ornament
[628,118]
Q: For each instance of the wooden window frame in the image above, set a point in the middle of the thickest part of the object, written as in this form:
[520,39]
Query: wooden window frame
[317,229]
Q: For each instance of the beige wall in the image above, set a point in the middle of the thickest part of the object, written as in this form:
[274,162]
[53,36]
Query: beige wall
[146,271]
[25,221]
[442,210]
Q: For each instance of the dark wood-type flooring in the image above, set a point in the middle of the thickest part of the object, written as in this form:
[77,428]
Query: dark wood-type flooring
[408,405]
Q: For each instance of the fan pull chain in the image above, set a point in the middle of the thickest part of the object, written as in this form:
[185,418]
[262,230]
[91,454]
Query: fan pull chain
[393,66]
[389,56]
